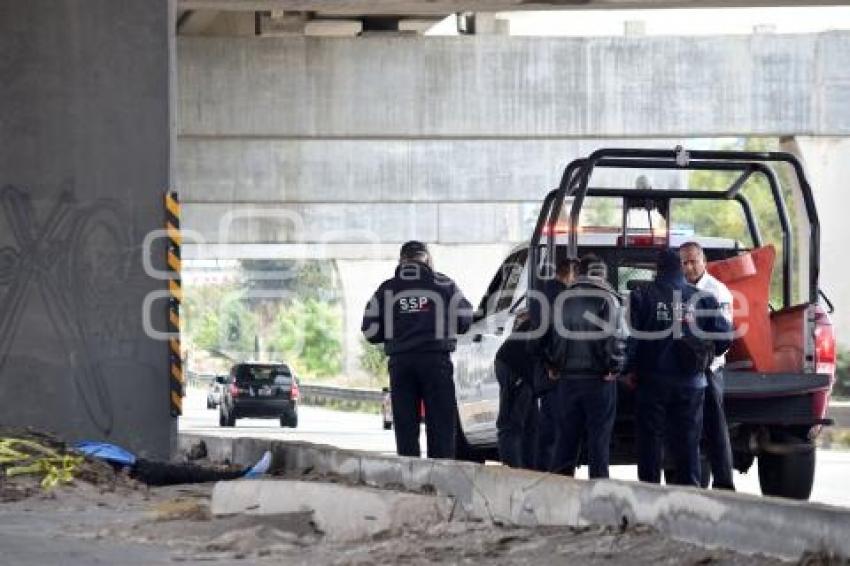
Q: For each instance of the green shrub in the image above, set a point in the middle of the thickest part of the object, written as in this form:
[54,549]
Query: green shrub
[308,335]
[373,360]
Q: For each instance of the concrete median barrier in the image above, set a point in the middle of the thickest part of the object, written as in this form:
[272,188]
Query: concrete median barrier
[744,523]
[367,512]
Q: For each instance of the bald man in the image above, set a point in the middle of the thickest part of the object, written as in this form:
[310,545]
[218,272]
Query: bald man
[715,432]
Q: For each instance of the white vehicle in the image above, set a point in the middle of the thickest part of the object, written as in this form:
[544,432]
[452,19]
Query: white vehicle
[215,390]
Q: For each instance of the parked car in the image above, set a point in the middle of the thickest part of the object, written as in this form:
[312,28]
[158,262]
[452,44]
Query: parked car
[779,373]
[215,390]
[260,390]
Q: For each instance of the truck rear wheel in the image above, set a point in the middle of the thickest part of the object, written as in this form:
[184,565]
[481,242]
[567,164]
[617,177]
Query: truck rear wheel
[787,475]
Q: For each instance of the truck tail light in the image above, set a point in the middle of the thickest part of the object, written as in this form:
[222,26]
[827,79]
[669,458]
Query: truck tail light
[824,342]
[295,393]
[234,391]
[642,241]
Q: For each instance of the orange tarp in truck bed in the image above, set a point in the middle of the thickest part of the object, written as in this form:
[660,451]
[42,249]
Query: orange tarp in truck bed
[748,278]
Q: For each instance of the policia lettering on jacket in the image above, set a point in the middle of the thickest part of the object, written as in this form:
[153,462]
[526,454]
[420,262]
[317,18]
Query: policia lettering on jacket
[417,315]
[676,332]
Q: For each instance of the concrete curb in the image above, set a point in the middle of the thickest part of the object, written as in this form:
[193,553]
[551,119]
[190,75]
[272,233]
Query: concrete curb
[367,512]
[744,523]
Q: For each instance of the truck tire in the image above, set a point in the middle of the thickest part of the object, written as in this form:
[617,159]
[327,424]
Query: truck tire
[787,475]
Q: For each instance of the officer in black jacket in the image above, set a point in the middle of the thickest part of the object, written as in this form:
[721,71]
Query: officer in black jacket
[544,384]
[516,425]
[581,352]
[670,321]
[417,315]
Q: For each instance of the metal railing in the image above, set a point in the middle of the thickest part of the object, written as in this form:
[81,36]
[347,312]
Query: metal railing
[340,393]
[840,413]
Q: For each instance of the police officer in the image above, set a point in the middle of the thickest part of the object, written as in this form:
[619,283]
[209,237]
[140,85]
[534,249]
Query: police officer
[516,424]
[715,432]
[667,317]
[545,380]
[416,315]
[582,350]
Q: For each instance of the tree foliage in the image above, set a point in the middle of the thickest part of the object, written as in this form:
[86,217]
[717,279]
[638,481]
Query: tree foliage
[292,308]
[726,219]
[373,360]
[308,333]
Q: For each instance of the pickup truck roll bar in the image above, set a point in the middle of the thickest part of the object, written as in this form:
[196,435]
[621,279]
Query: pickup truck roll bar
[575,180]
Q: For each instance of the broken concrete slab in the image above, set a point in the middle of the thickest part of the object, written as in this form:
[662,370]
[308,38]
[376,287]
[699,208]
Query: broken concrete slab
[771,526]
[341,512]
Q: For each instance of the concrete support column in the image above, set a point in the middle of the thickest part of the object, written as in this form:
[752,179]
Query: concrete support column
[827,164]
[802,229]
[472,267]
[87,136]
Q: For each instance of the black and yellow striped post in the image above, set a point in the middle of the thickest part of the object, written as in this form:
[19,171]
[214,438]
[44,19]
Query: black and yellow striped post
[175,289]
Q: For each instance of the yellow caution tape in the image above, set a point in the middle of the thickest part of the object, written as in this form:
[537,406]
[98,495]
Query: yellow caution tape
[55,467]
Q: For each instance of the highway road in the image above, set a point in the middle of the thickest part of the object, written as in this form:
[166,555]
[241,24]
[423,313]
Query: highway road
[362,431]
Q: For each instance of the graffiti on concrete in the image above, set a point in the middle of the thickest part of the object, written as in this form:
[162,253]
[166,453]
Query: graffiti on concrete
[72,260]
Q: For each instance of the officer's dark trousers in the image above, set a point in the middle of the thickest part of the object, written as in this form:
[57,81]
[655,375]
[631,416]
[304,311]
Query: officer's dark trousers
[546,431]
[675,413]
[418,377]
[516,424]
[585,412]
[715,433]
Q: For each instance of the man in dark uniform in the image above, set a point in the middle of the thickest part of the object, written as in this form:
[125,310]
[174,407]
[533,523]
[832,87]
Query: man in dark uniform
[675,331]
[582,350]
[417,315]
[516,424]
[544,383]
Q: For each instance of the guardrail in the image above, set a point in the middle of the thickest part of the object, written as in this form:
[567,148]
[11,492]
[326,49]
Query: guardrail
[341,393]
[840,413]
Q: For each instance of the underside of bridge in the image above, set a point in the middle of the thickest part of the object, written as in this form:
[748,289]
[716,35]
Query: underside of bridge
[356,17]
[342,148]
[275,142]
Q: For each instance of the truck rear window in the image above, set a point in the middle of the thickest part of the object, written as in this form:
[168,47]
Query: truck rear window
[629,277]
[264,375]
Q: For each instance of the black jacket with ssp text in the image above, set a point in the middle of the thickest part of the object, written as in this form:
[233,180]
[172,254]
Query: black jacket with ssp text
[418,310]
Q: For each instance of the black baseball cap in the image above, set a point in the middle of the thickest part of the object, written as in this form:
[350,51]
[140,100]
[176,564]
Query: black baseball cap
[412,249]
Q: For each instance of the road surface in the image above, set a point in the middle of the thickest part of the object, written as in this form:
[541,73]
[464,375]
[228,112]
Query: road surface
[361,431]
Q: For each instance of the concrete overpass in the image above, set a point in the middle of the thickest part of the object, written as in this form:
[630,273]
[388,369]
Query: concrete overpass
[90,115]
[375,140]
[357,17]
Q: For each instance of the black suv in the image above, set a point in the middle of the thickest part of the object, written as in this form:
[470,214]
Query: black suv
[260,390]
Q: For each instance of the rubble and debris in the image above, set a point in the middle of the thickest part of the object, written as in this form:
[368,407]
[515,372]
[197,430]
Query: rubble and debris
[103,514]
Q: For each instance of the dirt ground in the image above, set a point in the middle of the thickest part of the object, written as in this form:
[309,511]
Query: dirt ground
[132,524]
[104,517]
